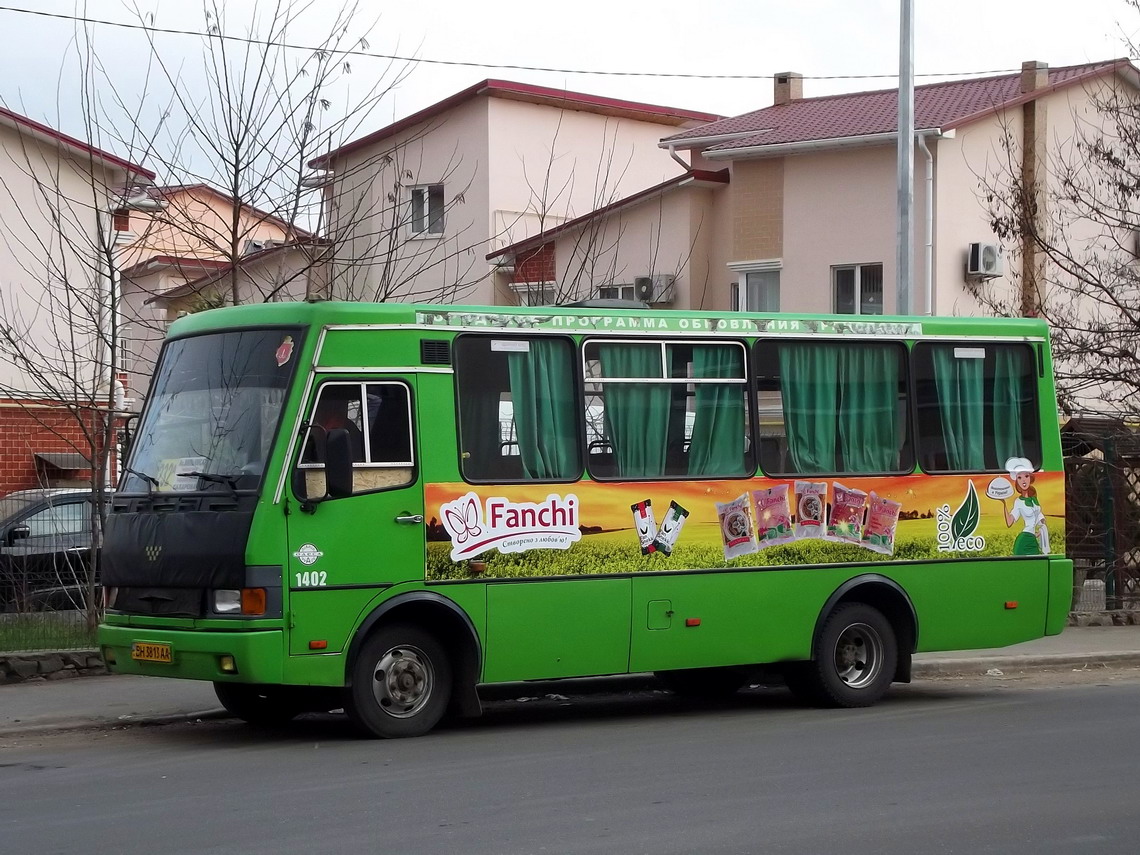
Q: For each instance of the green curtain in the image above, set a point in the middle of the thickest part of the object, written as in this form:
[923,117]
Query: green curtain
[542,393]
[809,377]
[1008,378]
[716,446]
[868,405]
[960,385]
[479,429]
[636,414]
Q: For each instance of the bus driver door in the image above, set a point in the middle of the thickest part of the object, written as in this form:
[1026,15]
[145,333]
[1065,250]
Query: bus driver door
[344,549]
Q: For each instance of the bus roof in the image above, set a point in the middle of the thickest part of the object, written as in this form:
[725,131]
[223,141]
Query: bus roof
[586,320]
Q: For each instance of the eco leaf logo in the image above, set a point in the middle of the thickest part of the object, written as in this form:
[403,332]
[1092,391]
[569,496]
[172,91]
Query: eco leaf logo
[956,532]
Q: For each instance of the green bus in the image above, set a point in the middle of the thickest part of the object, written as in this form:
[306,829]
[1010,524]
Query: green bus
[379,507]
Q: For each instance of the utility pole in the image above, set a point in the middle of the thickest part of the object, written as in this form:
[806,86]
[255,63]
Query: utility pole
[904,258]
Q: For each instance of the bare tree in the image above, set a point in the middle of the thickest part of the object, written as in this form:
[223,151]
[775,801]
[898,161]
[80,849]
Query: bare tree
[1073,245]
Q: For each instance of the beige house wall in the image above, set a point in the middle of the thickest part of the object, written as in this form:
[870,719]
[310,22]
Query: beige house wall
[196,223]
[52,276]
[510,169]
[377,257]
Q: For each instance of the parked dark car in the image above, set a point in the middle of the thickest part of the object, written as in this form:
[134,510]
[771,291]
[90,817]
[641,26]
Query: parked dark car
[45,545]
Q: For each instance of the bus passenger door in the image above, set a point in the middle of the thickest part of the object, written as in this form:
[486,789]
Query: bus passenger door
[342,551]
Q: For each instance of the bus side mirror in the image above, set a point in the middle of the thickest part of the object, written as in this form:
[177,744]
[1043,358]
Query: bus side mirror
[338,463]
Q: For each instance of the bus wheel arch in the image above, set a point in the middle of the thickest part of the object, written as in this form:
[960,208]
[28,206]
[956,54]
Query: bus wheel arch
[447,623]
[863,641]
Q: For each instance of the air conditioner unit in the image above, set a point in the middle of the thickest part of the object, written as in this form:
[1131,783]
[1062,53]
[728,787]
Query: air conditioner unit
[983,261]
[655,288]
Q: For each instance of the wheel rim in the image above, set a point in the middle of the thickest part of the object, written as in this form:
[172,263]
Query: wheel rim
[858,655]
[402,681]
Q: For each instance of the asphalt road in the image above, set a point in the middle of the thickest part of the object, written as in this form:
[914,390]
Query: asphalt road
[1035,764]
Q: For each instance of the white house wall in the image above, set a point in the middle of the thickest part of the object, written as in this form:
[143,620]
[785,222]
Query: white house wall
[38,255]
[377,262]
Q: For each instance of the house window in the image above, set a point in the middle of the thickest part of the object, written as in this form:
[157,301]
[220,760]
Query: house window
[535,293]
[757,290]
[427,210]
[122,220]
[858,289]
[616,292]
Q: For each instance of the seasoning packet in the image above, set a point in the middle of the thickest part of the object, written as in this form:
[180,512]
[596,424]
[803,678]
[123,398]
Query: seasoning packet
[882,518]
[773,516]
[736,527]
[670,529]
[845,524]
[811,502]
[645,525]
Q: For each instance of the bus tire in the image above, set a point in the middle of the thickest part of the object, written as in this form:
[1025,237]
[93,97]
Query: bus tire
[703,682]
[854,659]
[259,705]
[401,683]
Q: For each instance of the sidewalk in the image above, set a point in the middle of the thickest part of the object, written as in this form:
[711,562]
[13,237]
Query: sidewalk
[121,699]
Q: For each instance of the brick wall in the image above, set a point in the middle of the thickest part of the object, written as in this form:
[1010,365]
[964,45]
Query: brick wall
[757,209]
[536,265]
[27,428]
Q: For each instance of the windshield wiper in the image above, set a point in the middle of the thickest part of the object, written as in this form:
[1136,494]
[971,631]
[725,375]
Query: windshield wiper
[150,479]
[229,480]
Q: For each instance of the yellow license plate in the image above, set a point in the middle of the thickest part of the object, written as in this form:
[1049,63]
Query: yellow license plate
[144,651]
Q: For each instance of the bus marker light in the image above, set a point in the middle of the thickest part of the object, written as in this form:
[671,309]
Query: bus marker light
[318,645]
[253,601]
[692,621]
[109,655]
[227,664]
[1011,604]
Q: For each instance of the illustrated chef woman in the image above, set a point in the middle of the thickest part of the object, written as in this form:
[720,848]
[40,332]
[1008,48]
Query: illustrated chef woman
[1034,539]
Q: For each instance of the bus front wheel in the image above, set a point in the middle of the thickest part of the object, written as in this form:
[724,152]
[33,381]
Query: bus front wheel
[401,683]
[853,662]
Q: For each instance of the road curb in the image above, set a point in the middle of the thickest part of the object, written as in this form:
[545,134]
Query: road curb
[980,665]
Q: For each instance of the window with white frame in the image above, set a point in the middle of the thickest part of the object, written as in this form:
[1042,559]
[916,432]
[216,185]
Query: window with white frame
[858,289]
[616,292]
[427,210]
[535,293]
[757,287]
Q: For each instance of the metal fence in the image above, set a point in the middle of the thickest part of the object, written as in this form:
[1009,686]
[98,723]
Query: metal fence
[44,630]
[1102,510]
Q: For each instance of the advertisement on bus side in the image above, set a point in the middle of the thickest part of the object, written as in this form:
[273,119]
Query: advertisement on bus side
[597,528]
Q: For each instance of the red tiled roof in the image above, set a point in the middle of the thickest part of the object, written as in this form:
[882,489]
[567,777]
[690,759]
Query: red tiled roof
[936,105]
[692,176]
[535,94]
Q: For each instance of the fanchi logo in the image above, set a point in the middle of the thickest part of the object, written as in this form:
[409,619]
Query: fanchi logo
[510,526]
[956,532]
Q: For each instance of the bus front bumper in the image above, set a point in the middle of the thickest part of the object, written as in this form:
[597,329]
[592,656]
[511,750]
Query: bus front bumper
[248,657]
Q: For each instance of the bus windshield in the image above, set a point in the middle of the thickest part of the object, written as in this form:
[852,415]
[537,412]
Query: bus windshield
[214,405]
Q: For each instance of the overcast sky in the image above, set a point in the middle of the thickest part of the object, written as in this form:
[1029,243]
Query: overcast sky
[838,45]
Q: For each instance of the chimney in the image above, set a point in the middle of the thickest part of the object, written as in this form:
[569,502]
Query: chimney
[789,86]
[1034,76]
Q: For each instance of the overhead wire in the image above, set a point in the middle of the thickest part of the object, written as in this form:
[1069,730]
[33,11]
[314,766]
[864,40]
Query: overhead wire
[359,52]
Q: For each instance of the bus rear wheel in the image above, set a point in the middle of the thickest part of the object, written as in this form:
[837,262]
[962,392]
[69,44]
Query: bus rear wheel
[261,706]
[401,683]
[854,659]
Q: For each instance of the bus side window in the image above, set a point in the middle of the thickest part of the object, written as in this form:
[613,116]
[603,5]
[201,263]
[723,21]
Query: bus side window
[832,408]
[518,408]
[976,405]
[378,419]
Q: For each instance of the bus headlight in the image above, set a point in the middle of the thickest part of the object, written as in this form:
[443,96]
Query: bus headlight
[247,601]
[227,602]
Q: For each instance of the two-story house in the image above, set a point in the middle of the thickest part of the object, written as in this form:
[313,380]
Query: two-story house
[58,195]
[793,207]
[413,209]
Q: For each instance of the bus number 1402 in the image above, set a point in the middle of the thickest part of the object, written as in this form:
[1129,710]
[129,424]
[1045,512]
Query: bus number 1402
[311,579]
